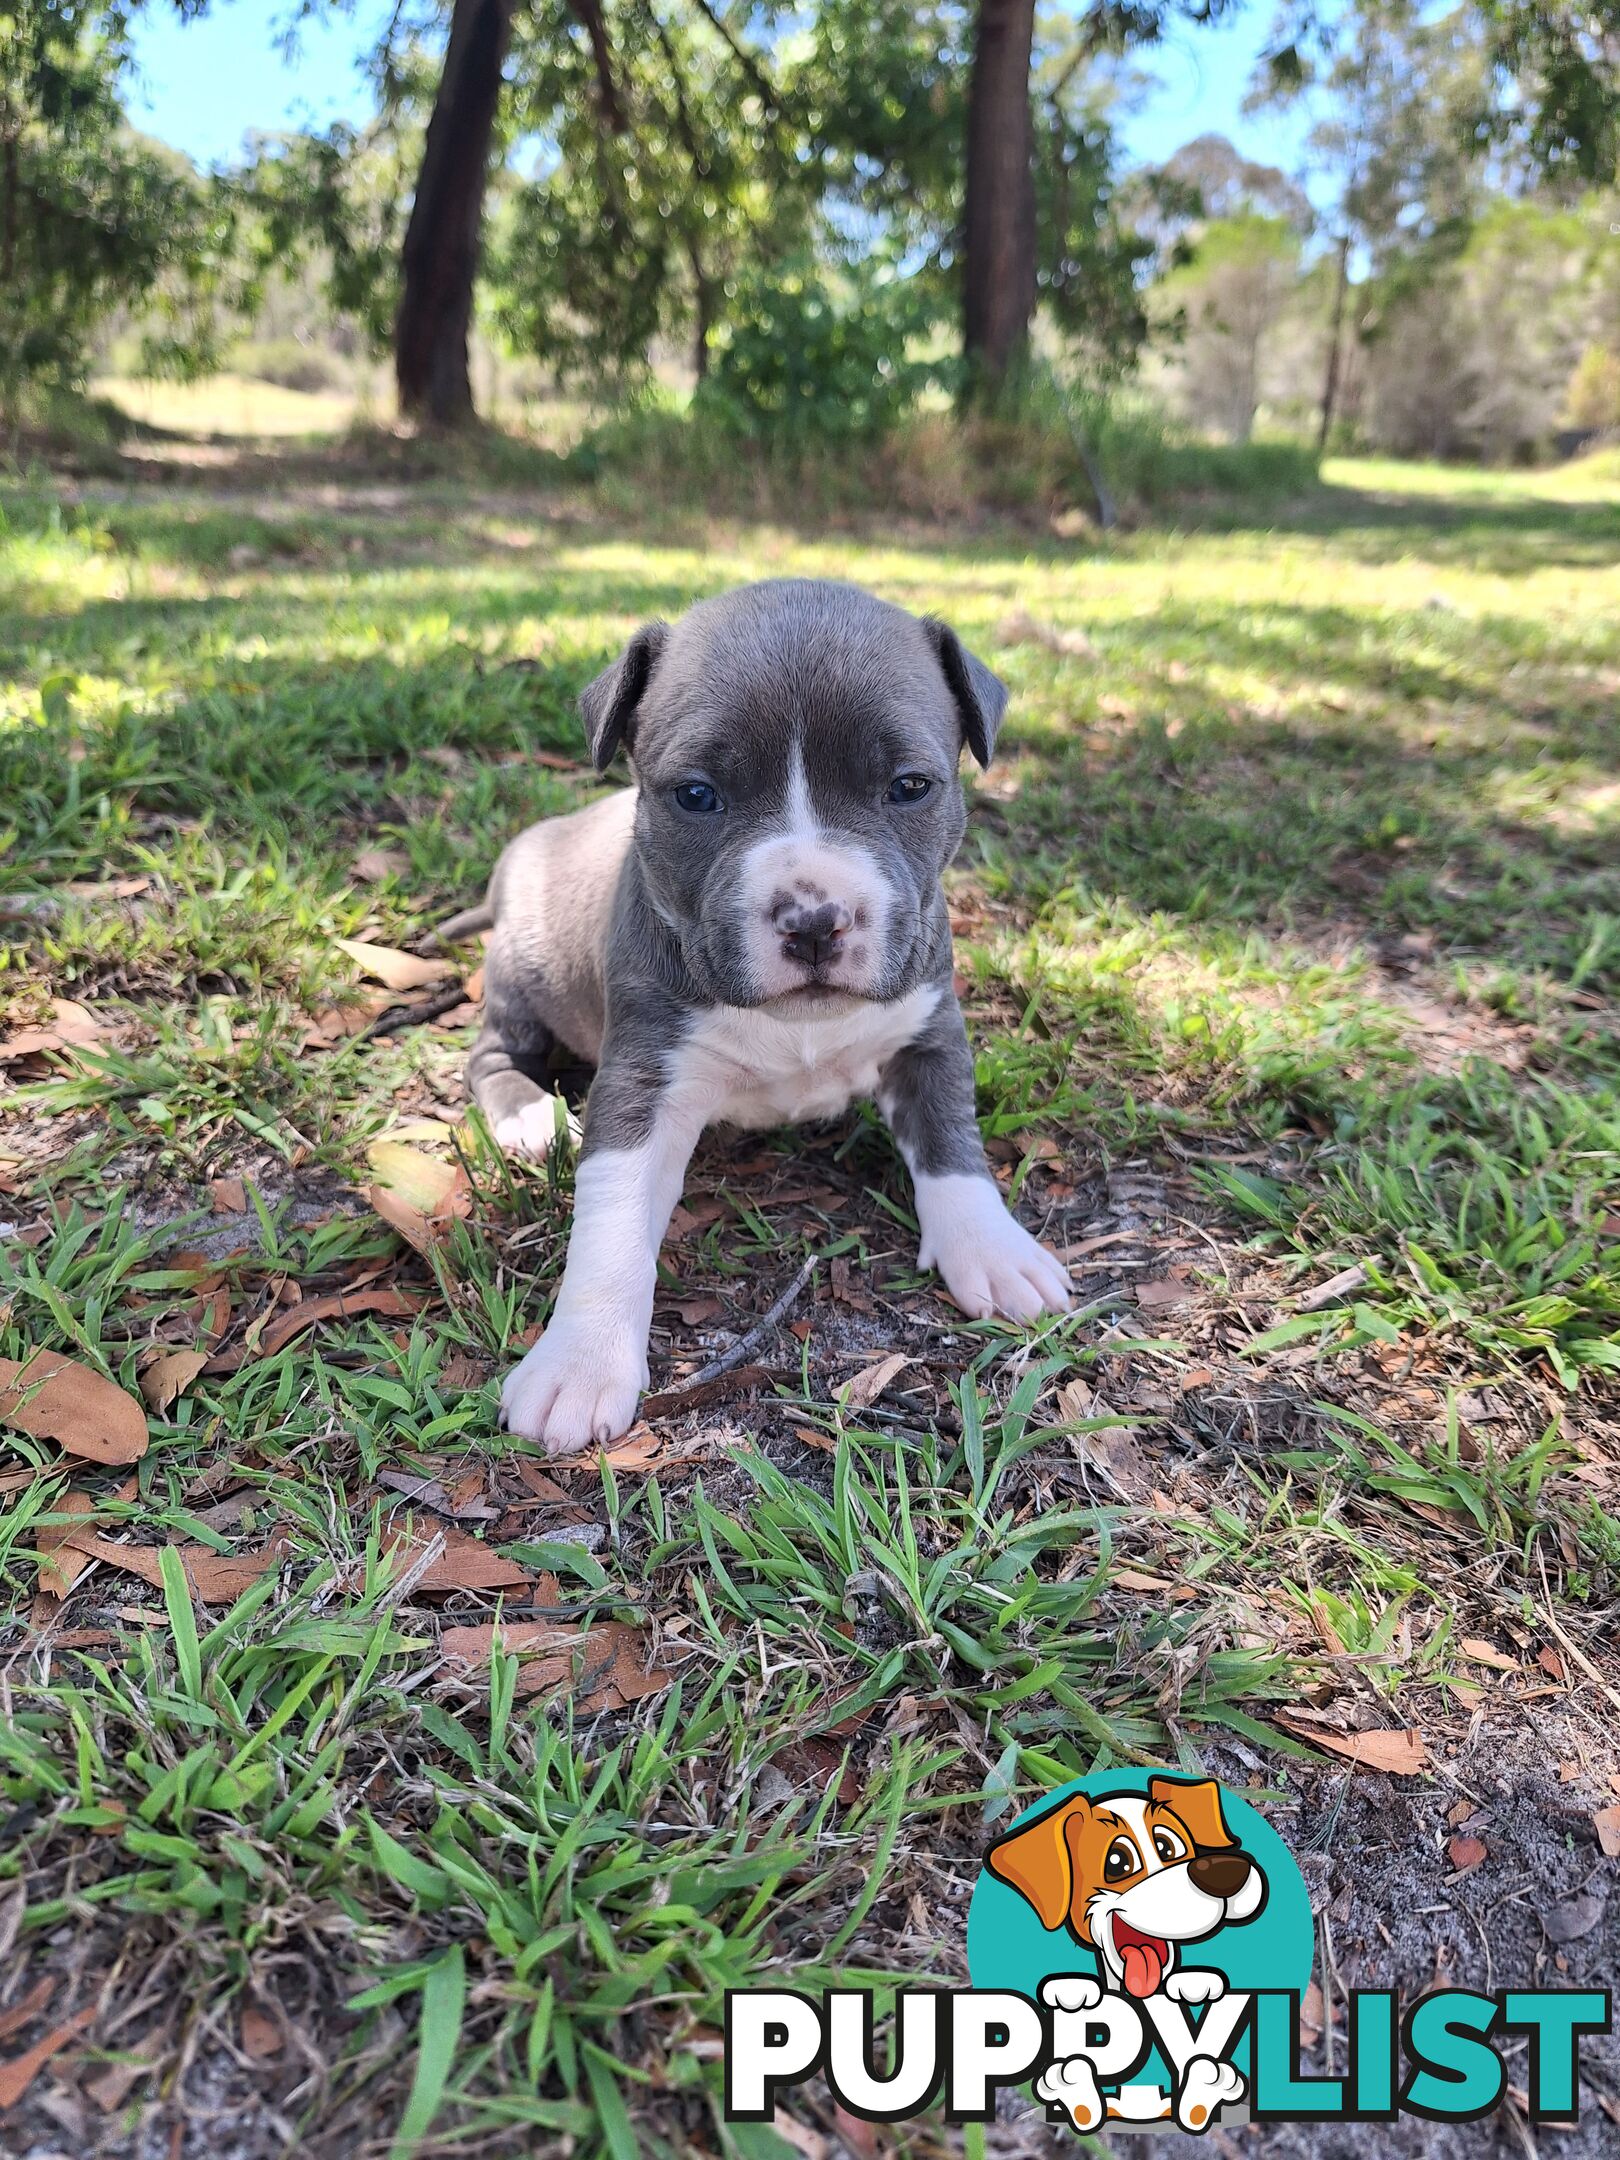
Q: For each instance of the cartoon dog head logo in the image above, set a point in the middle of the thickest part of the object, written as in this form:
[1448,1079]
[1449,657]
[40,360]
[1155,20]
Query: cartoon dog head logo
[1134,1876]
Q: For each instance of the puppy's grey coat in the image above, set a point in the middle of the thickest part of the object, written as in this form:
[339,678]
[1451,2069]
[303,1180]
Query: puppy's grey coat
[754,933]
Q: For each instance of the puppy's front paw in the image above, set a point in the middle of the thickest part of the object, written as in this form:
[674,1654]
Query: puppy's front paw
[1072,2086]
[533,1129]
[578,1387]
[1195,1984]
[1071,1991]
[1206,2087]
[992,1267]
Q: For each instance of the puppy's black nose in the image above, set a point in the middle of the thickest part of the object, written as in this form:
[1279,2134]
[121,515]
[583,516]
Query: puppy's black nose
[812,935]
[1220,1874]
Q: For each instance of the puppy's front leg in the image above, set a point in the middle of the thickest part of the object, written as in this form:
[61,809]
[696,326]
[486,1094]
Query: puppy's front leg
[581,1381]
[990,1263]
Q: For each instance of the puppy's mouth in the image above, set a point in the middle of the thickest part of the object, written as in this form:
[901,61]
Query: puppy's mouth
[1143,1958]
[816,990]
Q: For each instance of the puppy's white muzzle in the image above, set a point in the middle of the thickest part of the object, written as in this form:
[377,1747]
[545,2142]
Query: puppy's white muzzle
[815,913]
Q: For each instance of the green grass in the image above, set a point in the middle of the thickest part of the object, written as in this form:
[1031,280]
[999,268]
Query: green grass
[1291,934]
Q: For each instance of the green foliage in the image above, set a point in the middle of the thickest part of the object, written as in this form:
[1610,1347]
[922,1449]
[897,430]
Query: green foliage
[91,216]
[804,359]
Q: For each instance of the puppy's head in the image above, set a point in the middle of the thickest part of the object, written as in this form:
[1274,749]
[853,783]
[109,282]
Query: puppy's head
[795,745]
[1132,1875]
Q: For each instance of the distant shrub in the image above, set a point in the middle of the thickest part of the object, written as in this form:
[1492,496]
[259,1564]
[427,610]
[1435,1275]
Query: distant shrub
[1027,459]
[1593,397]
[801,357]
[290,364]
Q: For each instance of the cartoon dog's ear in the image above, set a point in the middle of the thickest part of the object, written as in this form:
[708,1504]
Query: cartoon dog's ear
[1036,1861]
[608,705]
[981,697]
[1199,1806]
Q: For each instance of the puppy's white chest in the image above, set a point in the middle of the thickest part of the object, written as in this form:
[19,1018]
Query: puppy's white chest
[754,1069]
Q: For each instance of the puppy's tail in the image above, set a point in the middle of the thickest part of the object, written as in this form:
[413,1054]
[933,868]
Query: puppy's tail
[466,924]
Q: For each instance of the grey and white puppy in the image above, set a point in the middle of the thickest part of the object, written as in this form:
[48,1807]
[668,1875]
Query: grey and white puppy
[754,934]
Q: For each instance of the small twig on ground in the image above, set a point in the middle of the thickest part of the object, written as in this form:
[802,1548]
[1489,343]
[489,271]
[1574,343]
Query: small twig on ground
[745,1345]
[407,1016]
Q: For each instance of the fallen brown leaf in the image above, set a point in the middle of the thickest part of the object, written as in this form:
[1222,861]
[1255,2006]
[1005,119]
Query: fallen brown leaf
[1151,1585]
[1606,1822]
[394,969]
[698,1311]
[70,1027]
[1391,1749]
[17,2075]
[229,1195]
[168,1377]
[335,1305]
[1573,1917]
[466,1563]
[1484,1653]
[373,864]
[60,1563]
[261,2035]
[111,2088]
[604,1665]
[700,1396]
[55,1398]
[1158,1293]
[1466,1853]
[216,1578]
[861,1392]
[466,1501]
[24,2012]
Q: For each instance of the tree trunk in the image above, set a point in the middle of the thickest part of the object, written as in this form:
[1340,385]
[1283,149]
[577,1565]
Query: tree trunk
[702,310]
[439,259]
[1330,384]
[998,272]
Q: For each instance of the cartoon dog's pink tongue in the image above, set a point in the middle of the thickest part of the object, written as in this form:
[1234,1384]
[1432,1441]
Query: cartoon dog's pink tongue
[1144,1956]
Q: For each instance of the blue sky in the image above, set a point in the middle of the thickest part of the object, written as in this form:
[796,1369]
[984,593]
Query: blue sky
[205,85]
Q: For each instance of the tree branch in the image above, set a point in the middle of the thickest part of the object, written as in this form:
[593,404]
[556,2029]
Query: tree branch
[588,14]
[770,97]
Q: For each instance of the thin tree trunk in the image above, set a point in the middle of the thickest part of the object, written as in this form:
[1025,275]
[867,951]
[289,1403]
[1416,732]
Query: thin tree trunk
[998,273]
[1330,384]
[702,310]
[439,259]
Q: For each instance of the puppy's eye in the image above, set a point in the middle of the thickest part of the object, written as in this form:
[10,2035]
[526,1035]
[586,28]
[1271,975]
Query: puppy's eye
[910,787]
[1168,1847]
[1122,1860]
[698,796]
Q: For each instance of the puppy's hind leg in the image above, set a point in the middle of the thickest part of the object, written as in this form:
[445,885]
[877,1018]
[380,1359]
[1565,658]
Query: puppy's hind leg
[506,1072]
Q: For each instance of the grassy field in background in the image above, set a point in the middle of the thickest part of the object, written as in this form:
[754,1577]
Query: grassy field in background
[1289,926]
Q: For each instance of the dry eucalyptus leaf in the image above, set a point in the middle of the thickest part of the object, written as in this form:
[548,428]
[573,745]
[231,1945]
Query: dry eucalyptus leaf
[70,1027]
[394,969]
[1396,1752]
[168,1377]
[55,1398]
[867,1385]
[60,1564]
[373,864]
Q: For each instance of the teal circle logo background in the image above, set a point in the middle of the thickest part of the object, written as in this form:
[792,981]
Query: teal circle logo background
[1008,1948]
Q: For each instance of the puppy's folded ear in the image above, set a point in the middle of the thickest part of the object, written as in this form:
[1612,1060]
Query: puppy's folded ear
[981,697]
[1036,1861]
[1198,1803]
[608,705]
